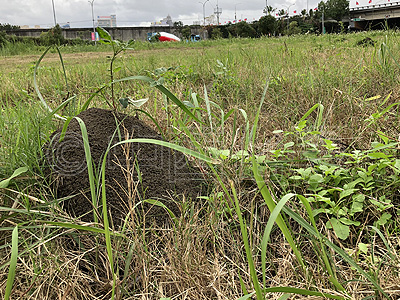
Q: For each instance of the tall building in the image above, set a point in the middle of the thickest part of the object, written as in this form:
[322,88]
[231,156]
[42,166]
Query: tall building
[167,21]
[107,21]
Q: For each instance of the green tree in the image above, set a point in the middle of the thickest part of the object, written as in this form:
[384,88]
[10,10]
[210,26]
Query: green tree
[3,39]
[244,29]
[8,27]
[216,33]
[269,9]
[186,32]
[52,37]
[294,28]
[336,9]
[178,26]
[281,13]
[267,25]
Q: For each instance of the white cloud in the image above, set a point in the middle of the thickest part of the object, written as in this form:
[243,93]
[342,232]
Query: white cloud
[78,12]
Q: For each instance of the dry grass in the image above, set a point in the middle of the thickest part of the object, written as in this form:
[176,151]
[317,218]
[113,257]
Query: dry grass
[202,255]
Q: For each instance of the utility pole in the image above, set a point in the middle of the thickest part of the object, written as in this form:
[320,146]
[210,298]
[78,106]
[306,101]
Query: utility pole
[235,11]
[54,13]
[204,11]
[287,13]
[323,21]
[94,29]
[218,11]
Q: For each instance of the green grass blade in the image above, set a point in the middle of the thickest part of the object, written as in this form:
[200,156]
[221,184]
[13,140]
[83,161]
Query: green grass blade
[320,117]
[247,132]
[153,120]
[174,147]
[209,113]
[107,233]
[279,220]
[103,188]
[160,204]
[94,94]
[291,290]
[248,296]
[267,232]
[58,108]
[245,238]
[324,255]
[89,164]
[179,103]
[63,67]
[36,86]
[78,227]
[164,90]
[13,263]
[285,296]
[35,79]
[196,105]
[265,192]
[254,128]
[310,111]
[334,247]
[385,242]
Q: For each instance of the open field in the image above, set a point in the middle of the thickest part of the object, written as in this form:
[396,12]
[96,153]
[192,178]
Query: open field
[304,126]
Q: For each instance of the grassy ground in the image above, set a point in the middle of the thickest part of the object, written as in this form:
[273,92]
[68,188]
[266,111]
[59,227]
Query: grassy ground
[343,159]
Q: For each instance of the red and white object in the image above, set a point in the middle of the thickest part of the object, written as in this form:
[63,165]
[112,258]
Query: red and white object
[168,37]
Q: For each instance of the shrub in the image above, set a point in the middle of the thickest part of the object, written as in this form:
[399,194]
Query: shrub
[53,37]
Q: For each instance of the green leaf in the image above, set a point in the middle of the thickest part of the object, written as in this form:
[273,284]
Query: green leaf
[310,154]
[315,179]
[346,193]
[349,222]
[397,164]
[377,155]
[104,34]
[124,102]
[138,103]
[363,247]
[383,219]
[288,145]
[4,183]
[356,206]
[342,231]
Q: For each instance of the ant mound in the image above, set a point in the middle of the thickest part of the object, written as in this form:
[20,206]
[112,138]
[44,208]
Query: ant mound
[134,172]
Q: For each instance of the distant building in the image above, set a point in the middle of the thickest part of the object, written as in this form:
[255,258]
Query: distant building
[211,20]
[167,21]
[25,27]
[107,21]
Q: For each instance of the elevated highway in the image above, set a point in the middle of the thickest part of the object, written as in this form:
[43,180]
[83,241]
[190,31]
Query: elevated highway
[363,17]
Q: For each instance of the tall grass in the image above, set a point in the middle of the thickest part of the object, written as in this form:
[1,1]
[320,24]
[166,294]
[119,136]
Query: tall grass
[208,105]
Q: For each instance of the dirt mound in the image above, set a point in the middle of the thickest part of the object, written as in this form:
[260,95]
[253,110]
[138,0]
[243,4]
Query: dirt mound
[134,171]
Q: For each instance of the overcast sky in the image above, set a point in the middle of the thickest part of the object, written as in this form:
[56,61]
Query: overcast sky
[141,12]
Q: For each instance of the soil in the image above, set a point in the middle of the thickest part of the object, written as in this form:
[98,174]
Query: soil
[134,171]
